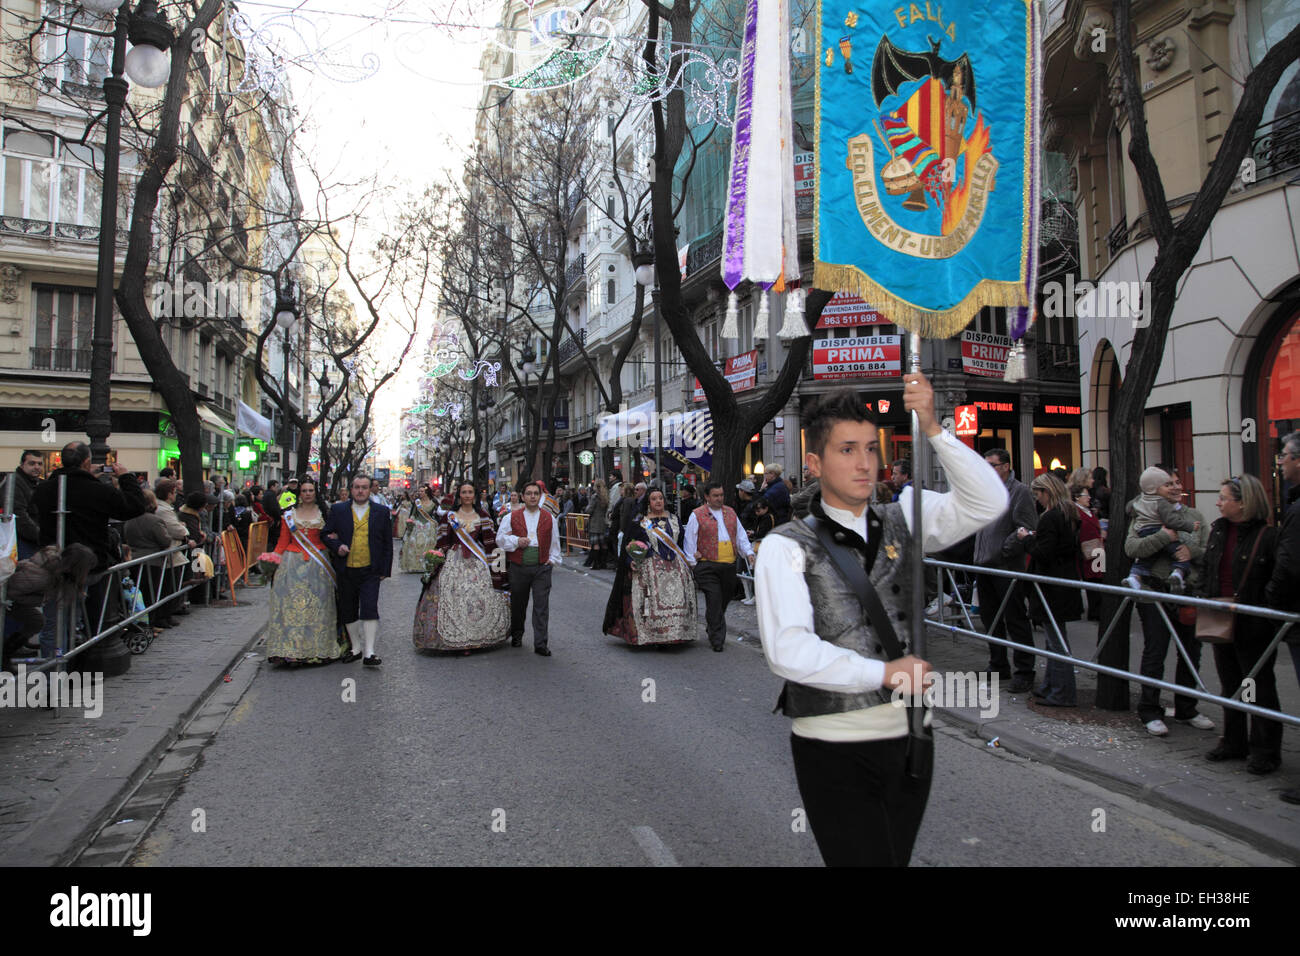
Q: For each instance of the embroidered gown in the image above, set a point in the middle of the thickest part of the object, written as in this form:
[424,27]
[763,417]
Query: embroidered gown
[303,624]
[653,601]
[421,533]
[464,605]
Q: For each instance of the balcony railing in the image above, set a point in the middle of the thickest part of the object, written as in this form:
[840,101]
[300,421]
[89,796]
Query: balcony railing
[569,347]
[1276,149]
[575,274]
[61,360]
[59,230]
[1058,362]
[1117,237]
[704,252]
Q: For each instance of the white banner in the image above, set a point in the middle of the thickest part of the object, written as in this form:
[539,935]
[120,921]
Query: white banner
[248,422]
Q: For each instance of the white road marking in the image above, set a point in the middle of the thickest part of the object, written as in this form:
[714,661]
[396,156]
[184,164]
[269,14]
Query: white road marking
[654,848]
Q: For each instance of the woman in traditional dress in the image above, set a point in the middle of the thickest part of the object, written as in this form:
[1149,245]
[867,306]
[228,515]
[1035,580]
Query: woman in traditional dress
[303,625]
[421,531]
[653,601]
[464,605]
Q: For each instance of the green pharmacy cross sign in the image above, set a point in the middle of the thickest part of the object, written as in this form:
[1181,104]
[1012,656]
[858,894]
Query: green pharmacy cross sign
[245,457]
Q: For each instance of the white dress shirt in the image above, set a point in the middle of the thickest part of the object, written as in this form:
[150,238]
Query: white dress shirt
[511,542]
[785,614]
[693,529]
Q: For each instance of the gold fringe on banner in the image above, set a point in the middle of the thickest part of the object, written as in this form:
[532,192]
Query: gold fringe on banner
[927,323]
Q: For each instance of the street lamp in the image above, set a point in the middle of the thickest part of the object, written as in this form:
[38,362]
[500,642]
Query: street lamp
[286,318]
[148,64]
[528,359]
[647,277]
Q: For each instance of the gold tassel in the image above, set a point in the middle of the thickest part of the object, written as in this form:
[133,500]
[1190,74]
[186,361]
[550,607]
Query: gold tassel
[794,326]
[730,327]
[764,314]
[1016,369]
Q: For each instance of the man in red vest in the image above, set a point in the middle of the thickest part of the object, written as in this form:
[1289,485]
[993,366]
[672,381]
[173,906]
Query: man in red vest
[714,536]
[531,541]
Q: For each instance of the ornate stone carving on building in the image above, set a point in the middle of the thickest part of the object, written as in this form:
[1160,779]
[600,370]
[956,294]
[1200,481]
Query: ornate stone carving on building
[1160,54]
[1096,32]
[1115,92]
[1074,179]
[9,274]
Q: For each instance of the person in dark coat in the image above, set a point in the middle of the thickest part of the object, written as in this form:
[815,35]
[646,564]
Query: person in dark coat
[1054,550]
[1244,507]
[25,479]
[91,505]
[1283,588]
[271,508]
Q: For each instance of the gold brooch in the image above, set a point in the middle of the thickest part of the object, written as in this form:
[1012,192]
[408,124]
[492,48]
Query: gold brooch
[891,552]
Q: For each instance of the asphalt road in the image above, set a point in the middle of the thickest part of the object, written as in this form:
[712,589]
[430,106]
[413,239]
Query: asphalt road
[507,758]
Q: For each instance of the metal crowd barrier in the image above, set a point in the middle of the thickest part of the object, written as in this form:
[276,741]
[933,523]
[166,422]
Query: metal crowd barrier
[1129,597]
[575,533]
[167,586]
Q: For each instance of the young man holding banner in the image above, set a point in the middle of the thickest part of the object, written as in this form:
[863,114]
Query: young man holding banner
[842,654]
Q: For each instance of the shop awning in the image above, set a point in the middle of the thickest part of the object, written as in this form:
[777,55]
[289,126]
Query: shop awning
[213,420]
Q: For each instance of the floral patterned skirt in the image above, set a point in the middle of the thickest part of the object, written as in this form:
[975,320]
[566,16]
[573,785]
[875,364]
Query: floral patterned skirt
[419,539]
[303,624]
[660,607]
[460,610]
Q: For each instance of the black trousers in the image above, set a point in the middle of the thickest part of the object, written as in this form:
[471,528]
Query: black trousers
[718,582]
[358,595]
[863,807]
[534,580]
[1233,662]
[1014,622]
[1155,647]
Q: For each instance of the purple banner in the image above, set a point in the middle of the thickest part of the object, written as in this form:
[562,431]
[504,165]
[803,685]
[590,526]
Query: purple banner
[738,195]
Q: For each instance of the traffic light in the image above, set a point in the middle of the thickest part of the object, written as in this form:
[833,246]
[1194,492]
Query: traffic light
[246,457]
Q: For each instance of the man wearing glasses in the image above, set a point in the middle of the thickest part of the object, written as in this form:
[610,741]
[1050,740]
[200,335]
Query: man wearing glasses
[1283,590]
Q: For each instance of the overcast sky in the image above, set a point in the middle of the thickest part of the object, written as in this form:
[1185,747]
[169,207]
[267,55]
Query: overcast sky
[410,119]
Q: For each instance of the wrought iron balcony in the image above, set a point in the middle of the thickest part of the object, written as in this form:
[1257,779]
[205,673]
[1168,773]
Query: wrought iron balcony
[1117,238]
[702,253]
[575,273]
[1276,149]
[1058,362]
[61,359]
[569,347]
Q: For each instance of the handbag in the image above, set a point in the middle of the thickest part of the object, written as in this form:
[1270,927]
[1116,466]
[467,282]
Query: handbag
[1215,625]
[920,741]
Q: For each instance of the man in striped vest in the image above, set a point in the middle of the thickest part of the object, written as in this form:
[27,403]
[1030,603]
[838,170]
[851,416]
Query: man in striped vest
[714,536]
[531,541]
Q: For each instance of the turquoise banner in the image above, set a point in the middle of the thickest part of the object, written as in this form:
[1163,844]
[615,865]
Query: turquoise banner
[926,152]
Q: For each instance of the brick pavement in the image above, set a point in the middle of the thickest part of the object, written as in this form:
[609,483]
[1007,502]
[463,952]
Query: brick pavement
[62,774]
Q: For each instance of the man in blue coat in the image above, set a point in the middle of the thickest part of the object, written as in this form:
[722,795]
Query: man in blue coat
[359,533]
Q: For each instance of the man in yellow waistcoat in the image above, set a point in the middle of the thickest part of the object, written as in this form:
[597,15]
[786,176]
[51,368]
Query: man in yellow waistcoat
[359,533]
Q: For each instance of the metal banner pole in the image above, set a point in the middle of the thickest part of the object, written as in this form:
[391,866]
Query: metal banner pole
[919,463]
